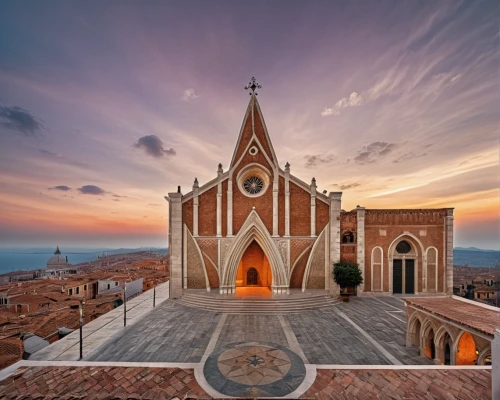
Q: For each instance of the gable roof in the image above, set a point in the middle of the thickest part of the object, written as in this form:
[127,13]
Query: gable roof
[253,129]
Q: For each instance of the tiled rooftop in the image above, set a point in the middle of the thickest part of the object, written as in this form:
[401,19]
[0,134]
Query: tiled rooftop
[474,316]
[401,384]
[102,383]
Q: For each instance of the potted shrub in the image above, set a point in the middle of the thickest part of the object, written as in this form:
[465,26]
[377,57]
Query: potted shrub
[348,277]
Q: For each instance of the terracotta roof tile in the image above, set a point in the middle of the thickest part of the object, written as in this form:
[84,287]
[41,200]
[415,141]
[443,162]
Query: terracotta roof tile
[401,383]
[474,316]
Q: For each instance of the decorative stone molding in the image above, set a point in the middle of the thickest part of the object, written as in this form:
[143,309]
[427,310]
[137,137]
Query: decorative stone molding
[282,246]
[316,261]
[360,258]
[253,229]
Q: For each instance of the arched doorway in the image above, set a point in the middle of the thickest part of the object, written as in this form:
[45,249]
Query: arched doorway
[252,276]
[430,346]
[403,265]
[416,337]
[447,345]
[254,271]
[466,350]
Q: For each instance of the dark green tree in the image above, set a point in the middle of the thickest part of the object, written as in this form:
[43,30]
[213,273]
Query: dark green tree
[347,274]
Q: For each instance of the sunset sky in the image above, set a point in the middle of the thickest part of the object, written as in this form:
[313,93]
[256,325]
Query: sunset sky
[105,107]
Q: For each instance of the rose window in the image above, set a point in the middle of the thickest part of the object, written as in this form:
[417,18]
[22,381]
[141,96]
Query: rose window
[253,185]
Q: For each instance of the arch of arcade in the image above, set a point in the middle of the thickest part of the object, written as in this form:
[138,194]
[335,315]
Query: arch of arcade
[451,331]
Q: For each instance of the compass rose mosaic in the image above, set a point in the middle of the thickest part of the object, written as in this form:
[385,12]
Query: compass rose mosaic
[254,370]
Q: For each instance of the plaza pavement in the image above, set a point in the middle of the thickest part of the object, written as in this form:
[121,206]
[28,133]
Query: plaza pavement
[350,350]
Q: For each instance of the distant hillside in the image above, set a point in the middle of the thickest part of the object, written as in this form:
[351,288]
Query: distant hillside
[474,257]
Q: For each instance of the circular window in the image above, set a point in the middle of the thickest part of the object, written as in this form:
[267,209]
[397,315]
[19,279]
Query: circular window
[253,185]
[253,180]
[403,247]
[253,150]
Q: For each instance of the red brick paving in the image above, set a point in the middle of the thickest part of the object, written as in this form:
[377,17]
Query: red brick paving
[101,383]
[401,384]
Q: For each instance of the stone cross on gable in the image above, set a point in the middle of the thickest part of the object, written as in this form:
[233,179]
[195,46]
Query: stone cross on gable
[254,85]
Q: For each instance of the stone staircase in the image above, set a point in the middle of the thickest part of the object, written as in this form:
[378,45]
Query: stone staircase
[277,305]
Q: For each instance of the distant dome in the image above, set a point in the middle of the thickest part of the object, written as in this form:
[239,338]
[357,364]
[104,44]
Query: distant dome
[57,261]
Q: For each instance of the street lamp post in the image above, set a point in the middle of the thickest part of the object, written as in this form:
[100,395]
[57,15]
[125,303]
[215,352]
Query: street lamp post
[82,303]
[154,295]
[124,304]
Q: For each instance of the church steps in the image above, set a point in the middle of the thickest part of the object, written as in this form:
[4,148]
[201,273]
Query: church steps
[245,306]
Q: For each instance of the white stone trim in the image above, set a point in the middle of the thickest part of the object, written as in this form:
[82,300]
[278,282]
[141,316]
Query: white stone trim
[400,367]
[449,252]
[335,205]
[219,209]
[275,204]
[207,282]
[381,268]
[425,278]
[184,257]
[230,207]
[287,201]
[311,256]
[390,256]
[360,244]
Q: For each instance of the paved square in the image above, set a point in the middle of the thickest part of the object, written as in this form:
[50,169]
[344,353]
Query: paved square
[367,331]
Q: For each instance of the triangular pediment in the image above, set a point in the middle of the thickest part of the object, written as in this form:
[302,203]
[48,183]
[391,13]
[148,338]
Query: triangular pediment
[253,129]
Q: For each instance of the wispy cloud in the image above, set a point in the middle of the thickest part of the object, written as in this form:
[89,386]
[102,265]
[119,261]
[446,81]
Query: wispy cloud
[189,94]
[20,120]
[354,100]
[375,151]
[91,189]
[62,188]
[154,147]
[318,159]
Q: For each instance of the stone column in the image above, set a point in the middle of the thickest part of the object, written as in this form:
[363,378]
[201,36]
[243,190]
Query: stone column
[275,203]
[287,199]
[449,251]
[495,368]
[219,201]
[360,244]
[230,206]
[175,243]
[196,188]
[335,207]
[313,207]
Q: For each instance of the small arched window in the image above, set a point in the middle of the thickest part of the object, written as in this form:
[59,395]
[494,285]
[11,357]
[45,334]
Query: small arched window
[348,237]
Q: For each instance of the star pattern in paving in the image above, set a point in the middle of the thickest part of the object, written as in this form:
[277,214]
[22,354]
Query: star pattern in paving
[254,365]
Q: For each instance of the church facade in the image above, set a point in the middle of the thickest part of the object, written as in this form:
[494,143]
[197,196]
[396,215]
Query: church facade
[256,224]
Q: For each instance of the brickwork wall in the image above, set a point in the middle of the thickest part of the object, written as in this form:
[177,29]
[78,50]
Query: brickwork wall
[187,214]
[297,246]
[207,213]
[213,276]
[300,211]
[209,250]
[426,225]
[195,273]
[298,273]
[242,205]
[348,223]
[322,215]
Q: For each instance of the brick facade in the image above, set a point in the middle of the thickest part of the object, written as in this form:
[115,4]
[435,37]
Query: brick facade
[224,208]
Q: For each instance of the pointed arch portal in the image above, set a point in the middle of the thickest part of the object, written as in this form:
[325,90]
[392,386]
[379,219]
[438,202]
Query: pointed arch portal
[253,231]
